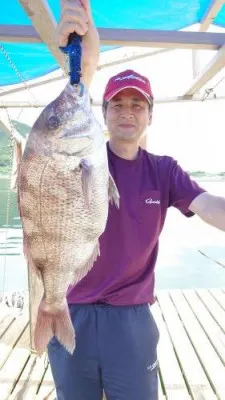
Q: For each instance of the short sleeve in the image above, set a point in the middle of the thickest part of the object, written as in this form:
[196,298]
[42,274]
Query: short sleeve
[183,190]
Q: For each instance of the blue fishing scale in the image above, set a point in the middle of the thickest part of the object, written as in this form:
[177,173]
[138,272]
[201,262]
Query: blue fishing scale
[73,51]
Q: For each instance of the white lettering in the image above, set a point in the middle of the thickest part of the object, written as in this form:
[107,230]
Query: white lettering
[121,78]
[153,366]
[151,201]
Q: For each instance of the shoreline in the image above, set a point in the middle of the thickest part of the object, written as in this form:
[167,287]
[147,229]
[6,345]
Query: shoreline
[206,178]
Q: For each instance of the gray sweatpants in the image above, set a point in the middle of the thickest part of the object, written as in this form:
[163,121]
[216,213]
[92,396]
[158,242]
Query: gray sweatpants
[115,351]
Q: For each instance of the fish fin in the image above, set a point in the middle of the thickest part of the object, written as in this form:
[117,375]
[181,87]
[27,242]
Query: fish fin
[54,323]
[86,180]
[82,272]
[93,257]
[17,157]
[114,196]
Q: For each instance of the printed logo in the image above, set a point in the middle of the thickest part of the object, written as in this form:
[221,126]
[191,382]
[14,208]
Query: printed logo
[151,201]
[152,366]
[121,78]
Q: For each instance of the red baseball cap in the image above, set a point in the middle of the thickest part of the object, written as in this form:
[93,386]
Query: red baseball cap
[128,79]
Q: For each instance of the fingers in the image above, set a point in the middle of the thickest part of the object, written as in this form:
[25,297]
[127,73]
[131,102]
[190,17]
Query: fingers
[87,7]
[74,18]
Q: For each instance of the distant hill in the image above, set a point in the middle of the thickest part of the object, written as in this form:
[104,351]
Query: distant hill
[24,129]
[5,153]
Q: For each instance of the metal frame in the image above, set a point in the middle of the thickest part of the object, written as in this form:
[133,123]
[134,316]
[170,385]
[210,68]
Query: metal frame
[44,26]
[125,37]
[211,14]
[97,103]
[202,77]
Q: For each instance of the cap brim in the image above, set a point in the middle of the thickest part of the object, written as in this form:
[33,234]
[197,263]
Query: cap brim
[116,91]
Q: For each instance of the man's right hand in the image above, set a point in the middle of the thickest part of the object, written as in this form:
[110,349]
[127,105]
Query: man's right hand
[76,17]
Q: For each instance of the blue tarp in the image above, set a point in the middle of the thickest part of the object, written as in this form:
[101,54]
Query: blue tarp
[34,60]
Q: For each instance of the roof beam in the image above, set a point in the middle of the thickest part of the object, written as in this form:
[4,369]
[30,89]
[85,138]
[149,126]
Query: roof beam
[163,100]
[32,85]
[122,37]
[45,24]
[19,33]
[162,39]
[132,57]
[202,77]
[210,14]
[212,68]
[17,88]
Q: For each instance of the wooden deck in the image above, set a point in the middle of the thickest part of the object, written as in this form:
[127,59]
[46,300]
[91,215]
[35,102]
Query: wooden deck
[191,350]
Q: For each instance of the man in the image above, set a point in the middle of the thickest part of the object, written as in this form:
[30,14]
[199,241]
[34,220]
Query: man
[116,334]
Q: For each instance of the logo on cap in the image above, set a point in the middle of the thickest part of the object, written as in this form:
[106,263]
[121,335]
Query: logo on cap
[121,78]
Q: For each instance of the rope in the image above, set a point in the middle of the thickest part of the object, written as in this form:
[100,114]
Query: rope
[8,204]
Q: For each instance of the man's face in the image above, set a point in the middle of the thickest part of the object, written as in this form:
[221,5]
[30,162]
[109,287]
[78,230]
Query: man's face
[128,116]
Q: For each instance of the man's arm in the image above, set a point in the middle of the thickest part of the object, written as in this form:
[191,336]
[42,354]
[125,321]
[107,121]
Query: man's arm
[76,17]
[210,208]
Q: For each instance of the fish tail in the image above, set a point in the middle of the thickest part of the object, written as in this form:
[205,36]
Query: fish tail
[54,323]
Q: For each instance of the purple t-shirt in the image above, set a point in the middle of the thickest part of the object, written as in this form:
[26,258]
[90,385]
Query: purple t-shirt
[124,272]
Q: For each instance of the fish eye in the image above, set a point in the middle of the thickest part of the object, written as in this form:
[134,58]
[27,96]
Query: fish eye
[53,122]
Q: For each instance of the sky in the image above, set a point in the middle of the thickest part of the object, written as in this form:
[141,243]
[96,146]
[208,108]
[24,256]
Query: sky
[191,132]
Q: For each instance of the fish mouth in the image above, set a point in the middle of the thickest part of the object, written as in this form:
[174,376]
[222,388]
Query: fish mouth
[69,135]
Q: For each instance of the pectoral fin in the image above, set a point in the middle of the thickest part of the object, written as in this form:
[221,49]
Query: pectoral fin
[114,196]
[86,178]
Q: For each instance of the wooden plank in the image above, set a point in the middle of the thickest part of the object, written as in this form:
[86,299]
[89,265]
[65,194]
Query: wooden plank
[35,377]
[44,23]
[126,37]
[4,310]
[21,386]
[160,391]
[210,14]
[215,65]
[52,396]
[214,333]
[14,365]
[5,323]
[172,377]
[198,383]
[161,38]
[214,308]
[219,295]
[19,34]
[11,337]
[47,385]
[206,353]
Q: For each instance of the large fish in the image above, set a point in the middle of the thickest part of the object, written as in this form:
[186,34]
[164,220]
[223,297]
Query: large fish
[64,187]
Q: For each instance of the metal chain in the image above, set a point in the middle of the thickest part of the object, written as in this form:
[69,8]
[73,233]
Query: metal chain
[7,56]
[8,204]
